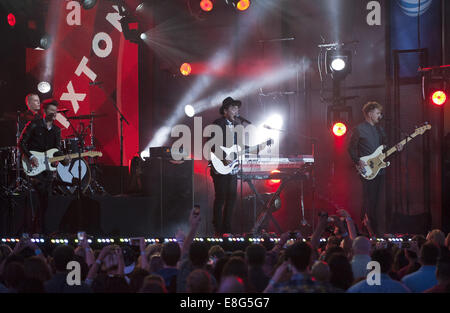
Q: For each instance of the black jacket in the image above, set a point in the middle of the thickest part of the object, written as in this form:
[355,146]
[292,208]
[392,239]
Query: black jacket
[36,137]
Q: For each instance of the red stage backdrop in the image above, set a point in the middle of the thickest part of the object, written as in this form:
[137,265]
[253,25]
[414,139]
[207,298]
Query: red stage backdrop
[91,68]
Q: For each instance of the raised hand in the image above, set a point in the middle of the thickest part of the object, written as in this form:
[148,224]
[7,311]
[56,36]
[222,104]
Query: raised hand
[343,213]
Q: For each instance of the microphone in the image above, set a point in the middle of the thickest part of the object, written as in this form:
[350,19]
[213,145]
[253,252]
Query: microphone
[243,119]
[63,111]
[95,83]
[272,128]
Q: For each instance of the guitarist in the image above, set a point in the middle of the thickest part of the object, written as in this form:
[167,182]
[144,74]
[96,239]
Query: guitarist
[41,134]
[225,186]
[365,139]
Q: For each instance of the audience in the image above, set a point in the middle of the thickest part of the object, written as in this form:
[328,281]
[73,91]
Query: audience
[170,255]
[361,256]
[255,256]
[199,281]
[385,284]
[291,265]
[442,274]
[320,271]
[425,277]
[341,275]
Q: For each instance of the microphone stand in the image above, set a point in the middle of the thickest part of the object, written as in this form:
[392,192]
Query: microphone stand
[80,135]
[122,118]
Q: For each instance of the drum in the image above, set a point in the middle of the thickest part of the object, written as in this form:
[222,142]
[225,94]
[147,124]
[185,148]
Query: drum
[68,175]
[8,156]
[70,145]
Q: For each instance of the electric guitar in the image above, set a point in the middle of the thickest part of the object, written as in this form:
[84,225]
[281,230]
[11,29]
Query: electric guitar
[45,160]
[231,161]
[376,161]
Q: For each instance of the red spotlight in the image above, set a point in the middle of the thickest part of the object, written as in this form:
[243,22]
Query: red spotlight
[11,19]
[206,5]
[439,97]
[243,5]
[339,129]
[185,69]
[275,181]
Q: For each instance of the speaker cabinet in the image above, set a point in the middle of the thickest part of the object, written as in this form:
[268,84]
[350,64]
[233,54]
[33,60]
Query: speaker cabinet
[170,184]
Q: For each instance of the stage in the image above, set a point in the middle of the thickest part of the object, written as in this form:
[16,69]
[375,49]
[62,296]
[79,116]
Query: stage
[98,215]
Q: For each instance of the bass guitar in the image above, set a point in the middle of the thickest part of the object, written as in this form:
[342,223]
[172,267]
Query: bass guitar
[376,161]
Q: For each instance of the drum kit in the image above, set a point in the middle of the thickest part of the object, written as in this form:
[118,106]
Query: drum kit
[14,181]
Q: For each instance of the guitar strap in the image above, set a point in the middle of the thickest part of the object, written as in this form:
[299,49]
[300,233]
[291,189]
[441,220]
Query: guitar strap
[381,134]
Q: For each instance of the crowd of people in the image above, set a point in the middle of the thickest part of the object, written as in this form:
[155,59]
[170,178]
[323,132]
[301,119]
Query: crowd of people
[293,265]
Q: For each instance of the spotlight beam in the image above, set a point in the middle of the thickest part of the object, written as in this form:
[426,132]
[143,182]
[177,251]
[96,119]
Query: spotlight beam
[220,59]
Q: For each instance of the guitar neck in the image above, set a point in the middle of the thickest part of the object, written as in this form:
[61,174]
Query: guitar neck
[71,156]
[403,142]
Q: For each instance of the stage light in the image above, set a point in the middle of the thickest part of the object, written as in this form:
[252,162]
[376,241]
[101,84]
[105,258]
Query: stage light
[143,36]
[243,5]
[339,129]
[186,69]
[206,5]
[240,5]
[275,181]
[439,97]
[140,6]
[189,110]
[88,4]
[44,87]
[338,64]
[44,42]
[11,19]
[274,121]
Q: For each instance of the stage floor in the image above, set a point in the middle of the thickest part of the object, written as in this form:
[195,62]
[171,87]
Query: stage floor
[97,215]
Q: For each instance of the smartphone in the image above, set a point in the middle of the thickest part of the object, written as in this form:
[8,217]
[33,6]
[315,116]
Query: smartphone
[81,235]
[134,241]
[288,243]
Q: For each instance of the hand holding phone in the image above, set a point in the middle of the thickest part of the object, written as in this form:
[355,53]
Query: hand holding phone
[81,235]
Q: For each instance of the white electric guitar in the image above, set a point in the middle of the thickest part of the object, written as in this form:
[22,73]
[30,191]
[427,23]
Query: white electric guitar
[45,160]
[230,164]
[376,161]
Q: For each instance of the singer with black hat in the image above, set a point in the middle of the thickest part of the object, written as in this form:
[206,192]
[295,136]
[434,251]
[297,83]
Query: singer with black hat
[225,186]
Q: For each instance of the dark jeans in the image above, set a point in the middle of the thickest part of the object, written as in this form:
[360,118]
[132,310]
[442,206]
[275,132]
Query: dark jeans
[371,197]
[42,184]
[225,187]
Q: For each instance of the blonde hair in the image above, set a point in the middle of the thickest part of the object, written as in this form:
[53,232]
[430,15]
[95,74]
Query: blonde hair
[28,96]
[370,106]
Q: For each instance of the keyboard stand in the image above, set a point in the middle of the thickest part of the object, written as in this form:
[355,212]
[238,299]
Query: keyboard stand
[261,201]
[268,206]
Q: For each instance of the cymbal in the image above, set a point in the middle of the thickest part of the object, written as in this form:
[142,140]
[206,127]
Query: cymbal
[86,117]
[12,116]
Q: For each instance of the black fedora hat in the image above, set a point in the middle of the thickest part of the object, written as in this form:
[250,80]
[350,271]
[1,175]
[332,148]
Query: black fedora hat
[228,102]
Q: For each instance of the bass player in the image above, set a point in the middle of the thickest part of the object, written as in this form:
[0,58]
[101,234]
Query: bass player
[366,138]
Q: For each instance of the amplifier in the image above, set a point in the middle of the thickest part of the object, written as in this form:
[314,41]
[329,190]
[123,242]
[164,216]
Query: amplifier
[165,152]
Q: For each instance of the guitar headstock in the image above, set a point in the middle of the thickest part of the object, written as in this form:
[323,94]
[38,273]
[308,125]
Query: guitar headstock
[421,130]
